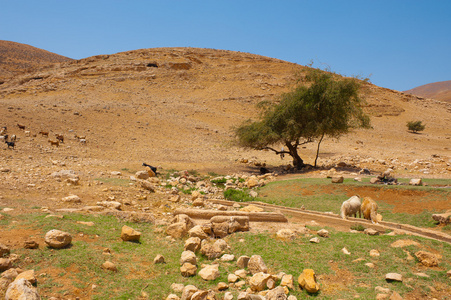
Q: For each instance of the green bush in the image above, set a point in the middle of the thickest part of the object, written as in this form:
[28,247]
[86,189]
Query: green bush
[237,195]
[415,126]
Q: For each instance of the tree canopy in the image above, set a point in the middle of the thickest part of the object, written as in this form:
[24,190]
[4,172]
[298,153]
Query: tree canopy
[322,104]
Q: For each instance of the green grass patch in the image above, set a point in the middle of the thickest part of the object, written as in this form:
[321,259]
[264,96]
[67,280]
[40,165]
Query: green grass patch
[238,195]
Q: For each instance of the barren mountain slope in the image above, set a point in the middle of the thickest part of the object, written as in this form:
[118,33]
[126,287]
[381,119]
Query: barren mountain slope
[175,107]
[437,90]
[16,58]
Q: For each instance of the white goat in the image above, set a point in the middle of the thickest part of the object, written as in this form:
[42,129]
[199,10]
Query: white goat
[350,207]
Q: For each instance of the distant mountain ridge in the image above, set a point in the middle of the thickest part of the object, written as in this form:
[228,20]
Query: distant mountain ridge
[437,90]
[16,58]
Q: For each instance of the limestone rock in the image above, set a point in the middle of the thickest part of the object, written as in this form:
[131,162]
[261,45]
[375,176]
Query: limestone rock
[242,261]
[277,293]
[286,234]
[147,186]
[57,239]
[393,277]
[209,272]
[21,289]
[227,257]
[72,199]
[188,292]
[188,257]
[337,179]
[288,281]
[374,253]
[172,297]
[188,270]
[192,244]
[251,208]
[222,286]
[258,282]
[5,264]
[307,281]
[4,250]
[256,264]
[323,233]
[444,218]
[371,231]
[198,232]
[130,234]
[235,223]
[200,295]
[110,204]
[177,230]
[427,259]
[315,240]
[184,219]
[108,265]
[232,278]
[220,230]
[159,259]
[142,175]
[416,182]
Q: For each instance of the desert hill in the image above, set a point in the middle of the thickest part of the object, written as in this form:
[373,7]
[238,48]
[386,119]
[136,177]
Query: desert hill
[175,107]
[437,90]
[16,58]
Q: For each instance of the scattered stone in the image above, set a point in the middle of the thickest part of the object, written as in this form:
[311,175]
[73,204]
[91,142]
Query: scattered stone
[323,233]
[345,251]
[307,281]
[228,296]
[177,287]
[241,273]
[177,230]
[288,281]
[159,259]
[227,257]
[393,277]
[276,294]
[444,218]
[209,272]
[188,270]
[370,265]
[395,296]
[256,264]
[142,175]
[172,296]
[374,253]
[188,292]
[222,286]
[232,278]
[57,239]
[147,185]
[382,290]
[110,204]
[258,282]
[198,232]
[252,208]
[337,179]
[188,257]
[21,289]
[200,295]
[427,259]
[108,265]
[371,231]
[416,182]
[5,264]
[28,275]
[129,234]
[286,234]
[422,275]
[192,244]
[315,240]
[72,199]
[4,250]
[242,261]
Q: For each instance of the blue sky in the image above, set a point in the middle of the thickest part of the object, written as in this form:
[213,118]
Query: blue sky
[398,44]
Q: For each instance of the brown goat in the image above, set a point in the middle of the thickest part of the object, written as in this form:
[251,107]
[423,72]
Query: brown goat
[369,209]
[54,143]
[44,133]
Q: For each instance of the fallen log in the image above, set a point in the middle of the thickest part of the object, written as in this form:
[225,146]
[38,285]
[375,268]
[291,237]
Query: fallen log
[253,216]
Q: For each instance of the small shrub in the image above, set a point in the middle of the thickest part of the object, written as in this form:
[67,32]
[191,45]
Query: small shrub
[415,126]
[237,195]
[358,227]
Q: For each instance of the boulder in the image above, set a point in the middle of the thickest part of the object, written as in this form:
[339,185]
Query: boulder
[28,275]
[142,175]
[209,272]
[242,261]
[21,289]
[286,234]
[277,293]
[337,179]
[198,232]
[147,185]
[172,297]
[188,292]
[416,182]
[393,277]
[159,259]
[188,270]
[444,218]
[4,250]
[256,264]
[200,295]
[427,259]
[110,204]
[323,233]
[129,234]
[288,281]
[57,239]
[192,244]
[177,230]
[71,199]
[184,219]
[258,282]
[188,257]
[307,281]
[5,264]
[108,265]
[220,230]
[236,223]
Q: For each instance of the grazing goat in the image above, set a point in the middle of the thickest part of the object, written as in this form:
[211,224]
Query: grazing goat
[3,130]
[4,138]
[82,141]
[44,133]
[350,207]
[369,209]
[59,137]
[10,144]
[21,126]
[154,169]
[13,138]
[54,143]
[27,133]
[80,137]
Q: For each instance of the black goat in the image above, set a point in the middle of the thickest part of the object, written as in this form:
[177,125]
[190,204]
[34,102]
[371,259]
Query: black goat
[154,169]
[10,144]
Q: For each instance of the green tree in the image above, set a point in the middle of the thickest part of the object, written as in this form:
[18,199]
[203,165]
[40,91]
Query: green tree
[322,104]
[415,126]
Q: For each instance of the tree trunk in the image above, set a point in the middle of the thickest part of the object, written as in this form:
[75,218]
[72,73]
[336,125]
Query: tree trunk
[298,163]
[317,150]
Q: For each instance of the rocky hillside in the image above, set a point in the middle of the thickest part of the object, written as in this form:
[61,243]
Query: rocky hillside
[16,58]
[437,90]
[176,107]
